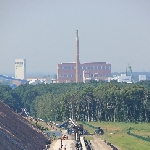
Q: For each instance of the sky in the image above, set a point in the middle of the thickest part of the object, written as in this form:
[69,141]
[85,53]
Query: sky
[43,32]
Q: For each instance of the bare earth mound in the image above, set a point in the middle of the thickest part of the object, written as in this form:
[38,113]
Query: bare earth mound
[16,133]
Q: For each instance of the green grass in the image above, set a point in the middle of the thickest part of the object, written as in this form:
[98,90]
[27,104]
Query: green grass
[40,125]
[116,133]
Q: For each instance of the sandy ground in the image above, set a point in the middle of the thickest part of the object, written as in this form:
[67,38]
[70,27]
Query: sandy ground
[97,143]
[70,145]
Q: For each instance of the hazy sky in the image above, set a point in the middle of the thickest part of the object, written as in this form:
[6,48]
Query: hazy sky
[43,32]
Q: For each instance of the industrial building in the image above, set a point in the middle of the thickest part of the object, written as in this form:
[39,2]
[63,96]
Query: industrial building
[77,72]
[20,68]
[87,71]
[142,77]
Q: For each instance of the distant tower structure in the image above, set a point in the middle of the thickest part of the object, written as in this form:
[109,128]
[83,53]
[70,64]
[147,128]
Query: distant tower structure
[128,70]
[20,68]
[77,57]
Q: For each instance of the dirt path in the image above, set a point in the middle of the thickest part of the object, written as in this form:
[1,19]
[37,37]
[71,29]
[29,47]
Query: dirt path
[70,145]
[99,144]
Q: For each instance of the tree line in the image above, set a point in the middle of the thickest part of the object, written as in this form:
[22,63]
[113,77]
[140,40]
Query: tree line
[94,101]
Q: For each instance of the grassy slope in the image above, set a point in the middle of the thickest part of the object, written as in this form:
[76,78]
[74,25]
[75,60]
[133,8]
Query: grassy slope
[116,133]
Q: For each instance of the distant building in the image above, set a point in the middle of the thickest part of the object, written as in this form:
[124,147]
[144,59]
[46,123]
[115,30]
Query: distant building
[86,76]
[66,72]
[122,78]
[20,68]
[142,77]
[114,78]
[18,82]
[35,81]
[41,80]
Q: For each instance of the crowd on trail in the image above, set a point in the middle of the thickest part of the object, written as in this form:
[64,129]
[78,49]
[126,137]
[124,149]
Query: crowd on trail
[17,133]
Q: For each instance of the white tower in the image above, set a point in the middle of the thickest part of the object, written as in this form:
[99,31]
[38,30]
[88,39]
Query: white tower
[20,68]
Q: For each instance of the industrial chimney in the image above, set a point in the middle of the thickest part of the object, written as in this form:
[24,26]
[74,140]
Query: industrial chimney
[77,57]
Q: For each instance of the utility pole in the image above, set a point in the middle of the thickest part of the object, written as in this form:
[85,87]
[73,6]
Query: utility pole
[61,144]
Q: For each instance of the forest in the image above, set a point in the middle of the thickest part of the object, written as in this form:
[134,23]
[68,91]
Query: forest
[94,101]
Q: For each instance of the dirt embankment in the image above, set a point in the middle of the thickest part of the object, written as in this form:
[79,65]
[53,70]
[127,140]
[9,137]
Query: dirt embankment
[16,133]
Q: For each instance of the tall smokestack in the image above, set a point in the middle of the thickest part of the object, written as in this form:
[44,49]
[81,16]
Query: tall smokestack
[77,57]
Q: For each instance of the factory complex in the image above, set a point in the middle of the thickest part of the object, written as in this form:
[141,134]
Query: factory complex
[70,72]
